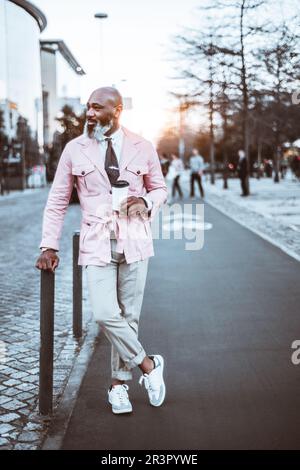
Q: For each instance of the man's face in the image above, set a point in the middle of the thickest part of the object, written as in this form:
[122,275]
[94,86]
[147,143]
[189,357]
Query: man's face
[101,113]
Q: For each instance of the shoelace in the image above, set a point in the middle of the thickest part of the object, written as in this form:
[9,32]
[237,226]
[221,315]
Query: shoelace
[151,382]
[122,392]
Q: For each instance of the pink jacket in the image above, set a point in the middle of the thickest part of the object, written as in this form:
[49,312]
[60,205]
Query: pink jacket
[139,165]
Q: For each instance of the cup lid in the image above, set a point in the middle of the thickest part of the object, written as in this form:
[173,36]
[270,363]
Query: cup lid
[120,184]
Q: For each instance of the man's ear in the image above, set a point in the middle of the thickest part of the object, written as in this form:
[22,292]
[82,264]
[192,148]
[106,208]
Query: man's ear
[118,111]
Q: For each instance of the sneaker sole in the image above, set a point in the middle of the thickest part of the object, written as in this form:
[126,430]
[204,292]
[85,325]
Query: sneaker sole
[118,412]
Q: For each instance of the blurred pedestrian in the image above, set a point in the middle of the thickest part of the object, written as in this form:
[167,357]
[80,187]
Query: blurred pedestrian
[4,181]
[269,168]
[164,163]
[295,166]
[283,167]
[196,167]
[177,164]
[242,169]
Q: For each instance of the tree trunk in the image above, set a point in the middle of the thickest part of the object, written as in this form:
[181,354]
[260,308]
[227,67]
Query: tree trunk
[245,94]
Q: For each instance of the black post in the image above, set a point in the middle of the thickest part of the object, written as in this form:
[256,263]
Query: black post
[77,288]
[46,341]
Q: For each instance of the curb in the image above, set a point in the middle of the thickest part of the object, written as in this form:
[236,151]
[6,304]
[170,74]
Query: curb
[62,415]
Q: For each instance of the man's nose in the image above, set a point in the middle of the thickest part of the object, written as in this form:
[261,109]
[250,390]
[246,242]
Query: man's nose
[90,113]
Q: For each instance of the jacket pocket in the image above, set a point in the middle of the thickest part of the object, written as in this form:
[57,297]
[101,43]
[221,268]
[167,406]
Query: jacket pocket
[82,170]
[137,169]
[84,175]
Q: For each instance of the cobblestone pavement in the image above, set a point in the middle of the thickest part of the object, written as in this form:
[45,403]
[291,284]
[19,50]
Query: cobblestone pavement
[21,427]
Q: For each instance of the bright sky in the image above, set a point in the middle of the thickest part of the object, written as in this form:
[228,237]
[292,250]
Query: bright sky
[134,54]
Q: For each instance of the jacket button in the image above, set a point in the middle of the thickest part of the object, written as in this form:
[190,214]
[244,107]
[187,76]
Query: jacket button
[138,172]
[83,172]
[110,191]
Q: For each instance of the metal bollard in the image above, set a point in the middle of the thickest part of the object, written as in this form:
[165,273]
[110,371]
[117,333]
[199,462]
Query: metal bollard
[77,288]
[46,342]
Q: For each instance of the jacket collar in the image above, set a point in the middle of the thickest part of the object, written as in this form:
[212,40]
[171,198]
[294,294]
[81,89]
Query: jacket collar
[90,148]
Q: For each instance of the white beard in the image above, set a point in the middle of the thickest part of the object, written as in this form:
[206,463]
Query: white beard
[98,132]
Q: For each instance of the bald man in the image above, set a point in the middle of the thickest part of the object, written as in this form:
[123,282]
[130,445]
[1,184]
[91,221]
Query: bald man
[115,246]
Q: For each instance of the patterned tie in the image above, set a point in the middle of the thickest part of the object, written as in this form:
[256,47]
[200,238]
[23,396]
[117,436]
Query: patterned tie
[111,162]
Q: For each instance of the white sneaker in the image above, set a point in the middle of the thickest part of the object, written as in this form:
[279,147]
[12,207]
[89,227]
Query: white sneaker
[154,382]
[118,398]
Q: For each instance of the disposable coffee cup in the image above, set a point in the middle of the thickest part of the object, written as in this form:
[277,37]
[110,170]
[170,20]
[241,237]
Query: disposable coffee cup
[119,193]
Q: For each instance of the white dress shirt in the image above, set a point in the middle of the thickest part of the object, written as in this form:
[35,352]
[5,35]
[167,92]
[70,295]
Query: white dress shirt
[117,142]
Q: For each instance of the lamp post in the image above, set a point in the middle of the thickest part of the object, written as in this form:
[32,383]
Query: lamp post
[101,16]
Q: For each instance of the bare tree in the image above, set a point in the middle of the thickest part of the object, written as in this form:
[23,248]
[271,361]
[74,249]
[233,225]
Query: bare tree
[282,66]
[219,51]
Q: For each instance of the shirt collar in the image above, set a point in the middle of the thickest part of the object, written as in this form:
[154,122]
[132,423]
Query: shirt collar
[115,136]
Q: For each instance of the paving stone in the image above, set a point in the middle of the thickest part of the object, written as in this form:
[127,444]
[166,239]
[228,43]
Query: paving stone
[34,371]
[13,405]
[12,392]
[31,426]
[7,418]
[19,375]
[24,396]
[5,428]
[25,411]
[11,382]
[32,379]
[25,386]
[23,446]
[12,436]
[4,399]
[28,360]
[3,441]
[29,436]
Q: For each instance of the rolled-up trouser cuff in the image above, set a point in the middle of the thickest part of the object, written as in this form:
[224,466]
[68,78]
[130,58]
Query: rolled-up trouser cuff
[121,375]
[138,359]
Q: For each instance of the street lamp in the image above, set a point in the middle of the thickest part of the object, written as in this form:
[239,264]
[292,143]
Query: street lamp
[101,16]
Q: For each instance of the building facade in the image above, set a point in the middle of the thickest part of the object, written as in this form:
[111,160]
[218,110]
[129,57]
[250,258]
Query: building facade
[61,75]
[36,79]
[21,123]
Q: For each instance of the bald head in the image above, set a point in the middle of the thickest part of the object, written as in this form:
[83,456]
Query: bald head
[107,95]
[103,109]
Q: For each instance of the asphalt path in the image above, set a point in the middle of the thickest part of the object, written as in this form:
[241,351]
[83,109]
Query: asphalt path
[224,318]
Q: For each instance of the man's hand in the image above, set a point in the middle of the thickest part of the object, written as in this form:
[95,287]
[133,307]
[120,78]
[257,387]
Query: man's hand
[47,261]
[133,206]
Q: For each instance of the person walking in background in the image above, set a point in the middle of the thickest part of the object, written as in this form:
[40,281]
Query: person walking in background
[115,246]
[243,173]
[164,163]
[178,167]
[196,168]
[4,182]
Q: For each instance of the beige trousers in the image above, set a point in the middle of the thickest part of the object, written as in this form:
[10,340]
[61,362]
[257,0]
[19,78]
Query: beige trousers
[116,294]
